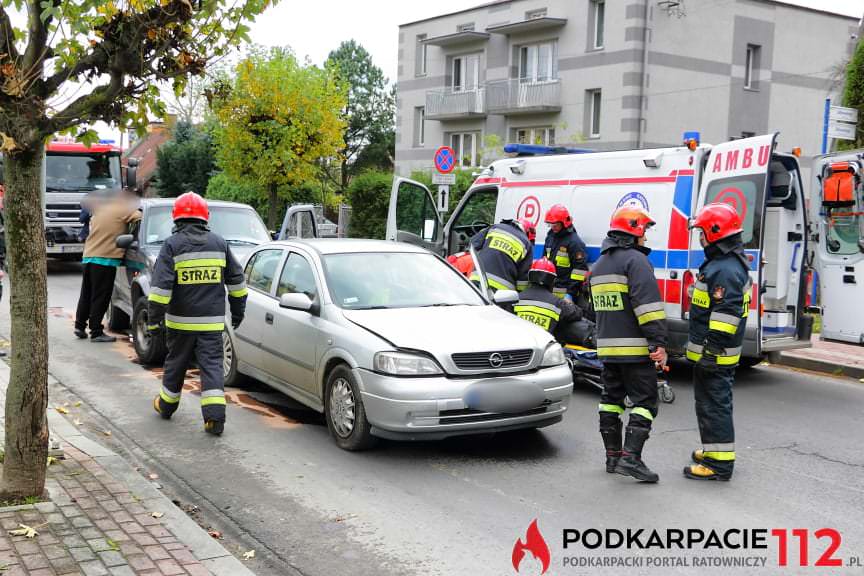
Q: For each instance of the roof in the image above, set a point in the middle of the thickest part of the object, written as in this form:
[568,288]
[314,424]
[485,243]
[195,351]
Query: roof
[145,150]
[496,2]
[351,245]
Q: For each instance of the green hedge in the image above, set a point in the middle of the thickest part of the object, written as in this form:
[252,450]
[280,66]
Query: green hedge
[369,197]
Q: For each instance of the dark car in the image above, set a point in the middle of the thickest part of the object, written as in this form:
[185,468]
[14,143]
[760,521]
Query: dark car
[239,224]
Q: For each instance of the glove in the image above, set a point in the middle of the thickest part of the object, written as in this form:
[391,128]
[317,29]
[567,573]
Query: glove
[235,321]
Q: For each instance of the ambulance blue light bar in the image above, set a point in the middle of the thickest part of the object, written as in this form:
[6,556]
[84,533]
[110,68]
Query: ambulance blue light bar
[538,150]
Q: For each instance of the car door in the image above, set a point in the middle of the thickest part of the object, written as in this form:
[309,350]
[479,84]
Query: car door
[413,217]
[299,222]
[261,307]
[293,350]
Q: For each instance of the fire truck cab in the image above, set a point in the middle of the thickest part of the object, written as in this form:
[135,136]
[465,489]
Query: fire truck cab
[672,184]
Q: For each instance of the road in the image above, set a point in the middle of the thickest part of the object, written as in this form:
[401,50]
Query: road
[276,483]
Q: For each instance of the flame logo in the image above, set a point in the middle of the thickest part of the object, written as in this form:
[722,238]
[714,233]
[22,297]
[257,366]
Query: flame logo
[534,543]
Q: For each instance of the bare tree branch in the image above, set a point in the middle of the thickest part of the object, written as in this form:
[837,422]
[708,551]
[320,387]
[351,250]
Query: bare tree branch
[86,107]
[7,37]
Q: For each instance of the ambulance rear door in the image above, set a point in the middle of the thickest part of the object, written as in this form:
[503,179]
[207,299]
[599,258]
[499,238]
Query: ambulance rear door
[766,190]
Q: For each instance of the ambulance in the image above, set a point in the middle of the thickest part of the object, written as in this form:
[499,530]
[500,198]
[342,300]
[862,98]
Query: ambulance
[837,185]
[764,185]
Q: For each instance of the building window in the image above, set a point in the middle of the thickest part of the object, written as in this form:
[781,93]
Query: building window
[543,136]
[466,72]
[538,62]
[751,67]
[598,22]
[593,98]
[469,27]
[535,14]
[420,56]
[467,148]
[419,126]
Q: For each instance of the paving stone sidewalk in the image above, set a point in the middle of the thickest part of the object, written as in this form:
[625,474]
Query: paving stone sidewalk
[837,358]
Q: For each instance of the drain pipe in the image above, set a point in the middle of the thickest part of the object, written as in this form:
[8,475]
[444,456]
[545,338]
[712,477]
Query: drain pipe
[643,89]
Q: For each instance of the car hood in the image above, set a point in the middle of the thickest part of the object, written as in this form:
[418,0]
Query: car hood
[442,331]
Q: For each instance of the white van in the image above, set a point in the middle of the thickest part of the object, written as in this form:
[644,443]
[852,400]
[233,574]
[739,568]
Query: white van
[672,183]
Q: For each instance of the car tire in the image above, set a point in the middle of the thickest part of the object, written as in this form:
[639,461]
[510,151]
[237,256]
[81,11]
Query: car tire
[232,376]
[118,320]
[344,412]
[151,350]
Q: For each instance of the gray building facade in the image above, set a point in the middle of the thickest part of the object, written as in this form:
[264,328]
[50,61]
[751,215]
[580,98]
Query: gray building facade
[580,73]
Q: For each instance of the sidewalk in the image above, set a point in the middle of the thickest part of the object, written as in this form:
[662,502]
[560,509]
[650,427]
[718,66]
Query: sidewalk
[837,358]
[103,519]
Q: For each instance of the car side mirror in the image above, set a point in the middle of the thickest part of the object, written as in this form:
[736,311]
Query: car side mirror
[296,301]
[274,235]
[126,241]
[506,297]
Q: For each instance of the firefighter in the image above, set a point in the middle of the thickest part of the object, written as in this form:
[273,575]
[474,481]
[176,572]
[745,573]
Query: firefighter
[505,254]
[719,305]
[631,339]
[187,299]
[566,249]
[539,306]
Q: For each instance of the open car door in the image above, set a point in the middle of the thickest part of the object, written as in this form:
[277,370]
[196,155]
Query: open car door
[299,222]
[765,188]
[413,216]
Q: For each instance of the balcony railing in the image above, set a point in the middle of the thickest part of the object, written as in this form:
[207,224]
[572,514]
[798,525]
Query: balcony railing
[450,103]
[523,96]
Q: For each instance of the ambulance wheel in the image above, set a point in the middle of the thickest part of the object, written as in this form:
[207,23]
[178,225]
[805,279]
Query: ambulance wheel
[749,362]
[151,350]
[344,412]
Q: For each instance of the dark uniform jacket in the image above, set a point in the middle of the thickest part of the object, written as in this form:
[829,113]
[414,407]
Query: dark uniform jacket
[567,251]
[630,313]
[719,306]
[505,254]
[539,306]
[194,268]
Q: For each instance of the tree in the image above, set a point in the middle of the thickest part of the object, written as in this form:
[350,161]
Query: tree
[369,196]
[277,118]
[853,93]
[186,162]
[369,110]
[120,53]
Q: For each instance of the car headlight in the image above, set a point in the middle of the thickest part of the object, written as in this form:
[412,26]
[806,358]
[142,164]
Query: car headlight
[553,356]
[405,364]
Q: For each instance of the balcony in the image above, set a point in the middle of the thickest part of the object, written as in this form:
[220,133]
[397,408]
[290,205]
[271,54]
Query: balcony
[513,97]
[450,104]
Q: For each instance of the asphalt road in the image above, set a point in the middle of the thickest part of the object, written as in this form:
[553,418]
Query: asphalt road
[277,484]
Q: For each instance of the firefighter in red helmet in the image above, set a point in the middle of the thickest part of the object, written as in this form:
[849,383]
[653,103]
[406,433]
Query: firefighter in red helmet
[194,270]
[566,250]
[631,339]
[539,306]
[719,306]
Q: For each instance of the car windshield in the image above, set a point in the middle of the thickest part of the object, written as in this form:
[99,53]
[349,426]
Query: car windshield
[81,172]
[371,280]
[236,225]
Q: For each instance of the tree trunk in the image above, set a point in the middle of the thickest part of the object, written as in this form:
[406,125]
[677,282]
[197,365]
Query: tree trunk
[272,214]
[26,457]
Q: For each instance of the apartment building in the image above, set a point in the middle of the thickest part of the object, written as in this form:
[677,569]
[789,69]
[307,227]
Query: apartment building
[580,72]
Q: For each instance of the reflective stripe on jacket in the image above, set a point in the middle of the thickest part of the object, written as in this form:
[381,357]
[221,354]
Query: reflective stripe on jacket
[505,254]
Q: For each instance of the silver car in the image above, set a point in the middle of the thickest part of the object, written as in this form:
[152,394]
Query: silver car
[389,341]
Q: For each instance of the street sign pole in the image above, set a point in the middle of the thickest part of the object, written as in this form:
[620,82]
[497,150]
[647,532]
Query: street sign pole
[826,120]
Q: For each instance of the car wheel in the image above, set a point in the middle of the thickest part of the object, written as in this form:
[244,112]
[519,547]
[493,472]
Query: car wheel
[151,350]
[344,412]
[118,321]
[230,373]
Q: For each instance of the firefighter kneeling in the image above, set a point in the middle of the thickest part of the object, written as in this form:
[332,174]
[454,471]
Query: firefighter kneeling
[538,305]
[631,338]
[194,269]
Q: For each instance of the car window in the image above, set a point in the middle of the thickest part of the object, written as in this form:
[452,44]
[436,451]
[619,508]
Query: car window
[237,225]
[261,270]
[297,276]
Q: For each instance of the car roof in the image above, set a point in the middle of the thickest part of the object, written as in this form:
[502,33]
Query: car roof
[157,202]
[349,245]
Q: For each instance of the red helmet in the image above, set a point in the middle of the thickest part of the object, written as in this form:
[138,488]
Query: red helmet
[529,228]
[559,213]
[717,221]
[542,272]
[190,205]
[632,220]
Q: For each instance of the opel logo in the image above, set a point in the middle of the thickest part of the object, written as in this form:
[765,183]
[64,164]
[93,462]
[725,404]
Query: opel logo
[496,360]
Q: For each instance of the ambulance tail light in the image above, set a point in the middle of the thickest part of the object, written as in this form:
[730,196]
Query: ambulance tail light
[686,282]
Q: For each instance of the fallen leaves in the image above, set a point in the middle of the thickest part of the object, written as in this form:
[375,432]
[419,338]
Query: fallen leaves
[9,144]
[29,532]
[249,555]
[215,534]
[157,514]
[61,409]
[51,460]
[153,476]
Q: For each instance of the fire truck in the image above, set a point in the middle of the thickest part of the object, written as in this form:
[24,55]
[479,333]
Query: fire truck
[71,171]
[764,185]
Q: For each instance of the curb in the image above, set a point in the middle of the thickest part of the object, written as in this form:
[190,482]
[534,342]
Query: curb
[218,560]
[822,366]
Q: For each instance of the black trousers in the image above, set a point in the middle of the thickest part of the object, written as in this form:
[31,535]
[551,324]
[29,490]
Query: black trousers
[712,388]
[96,287]
[638,380]
[206,349]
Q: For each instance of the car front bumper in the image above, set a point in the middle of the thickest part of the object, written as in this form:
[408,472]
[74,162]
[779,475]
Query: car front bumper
[435,408]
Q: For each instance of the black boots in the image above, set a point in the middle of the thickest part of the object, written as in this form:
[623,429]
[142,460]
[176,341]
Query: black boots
[631,463]
[610,430]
